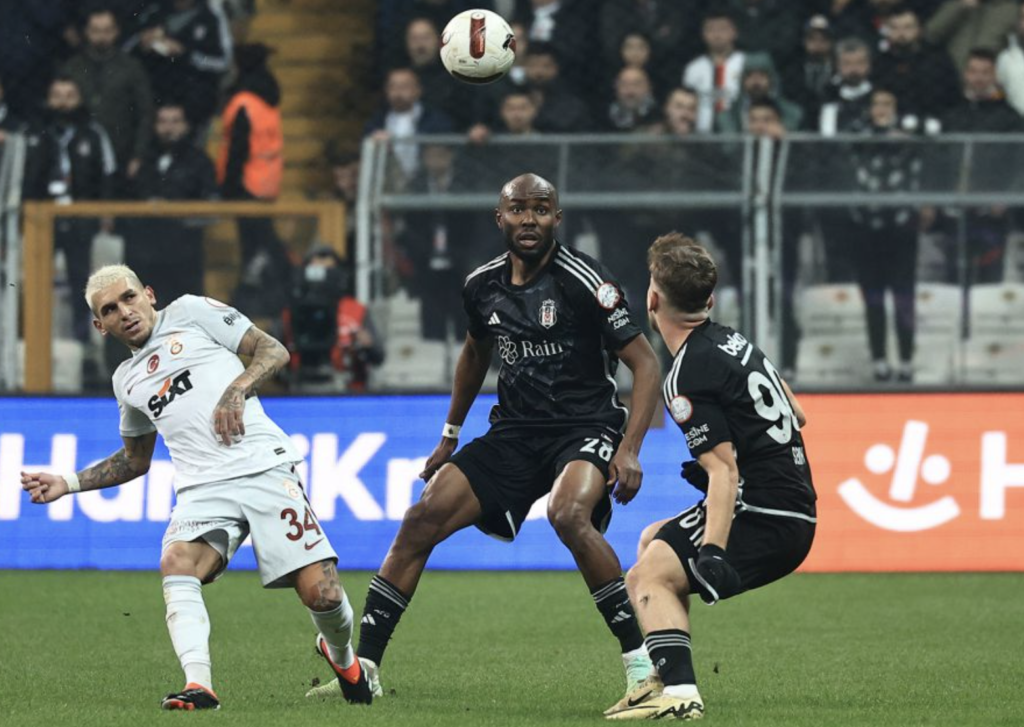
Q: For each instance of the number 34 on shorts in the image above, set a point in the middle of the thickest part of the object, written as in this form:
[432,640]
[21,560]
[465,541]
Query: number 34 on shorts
[297,528]
[600,447]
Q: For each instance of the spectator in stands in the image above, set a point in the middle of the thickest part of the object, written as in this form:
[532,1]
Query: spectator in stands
[850,93]
[70,159]
[669,28]
[444,246]
[169,252]
[569,27]
[716,74]
[994,167]
[30,40]
[327,330]
[806,78]
[405,115]
[423,43]
[186,47]
[922,77]
[634,107]
[887,233]
[768,26]
[250,166]
[115,89]
[392,14]
[559,110]
[759,84]
[345,167]
[1010,66]
[680,112]
[518,112]
[963,25]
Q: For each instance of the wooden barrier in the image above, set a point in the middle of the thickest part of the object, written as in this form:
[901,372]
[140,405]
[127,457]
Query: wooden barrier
[39,218]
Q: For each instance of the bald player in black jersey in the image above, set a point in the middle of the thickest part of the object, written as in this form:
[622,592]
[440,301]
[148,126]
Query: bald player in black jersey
[757,519]
[561,323]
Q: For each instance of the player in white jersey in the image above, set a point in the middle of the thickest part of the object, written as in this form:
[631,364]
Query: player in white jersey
[235,470]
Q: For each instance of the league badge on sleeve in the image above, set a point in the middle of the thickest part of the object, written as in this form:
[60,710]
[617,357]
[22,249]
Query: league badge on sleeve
[608,296]
[681,409]
[548,315]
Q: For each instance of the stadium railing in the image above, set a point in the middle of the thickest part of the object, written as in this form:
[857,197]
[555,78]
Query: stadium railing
[748,199]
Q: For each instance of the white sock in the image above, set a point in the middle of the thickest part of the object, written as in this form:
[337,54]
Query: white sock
[336,628]
[682,691]
[189,626]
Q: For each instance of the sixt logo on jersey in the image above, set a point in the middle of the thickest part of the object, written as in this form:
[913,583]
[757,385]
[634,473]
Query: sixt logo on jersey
[734,345]
[169,391]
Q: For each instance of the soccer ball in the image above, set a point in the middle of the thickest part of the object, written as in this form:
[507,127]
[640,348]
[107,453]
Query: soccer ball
[477,46]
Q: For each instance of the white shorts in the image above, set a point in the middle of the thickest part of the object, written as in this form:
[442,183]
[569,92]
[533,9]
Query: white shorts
[272,505]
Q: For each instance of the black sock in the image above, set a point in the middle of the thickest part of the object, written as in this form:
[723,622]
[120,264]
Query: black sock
[613,603]
[385,605]
[670,652]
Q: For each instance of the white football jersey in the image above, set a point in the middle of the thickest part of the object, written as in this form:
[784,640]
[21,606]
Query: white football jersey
[173,383]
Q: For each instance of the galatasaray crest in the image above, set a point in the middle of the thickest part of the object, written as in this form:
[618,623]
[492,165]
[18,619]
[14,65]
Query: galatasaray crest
[548,316]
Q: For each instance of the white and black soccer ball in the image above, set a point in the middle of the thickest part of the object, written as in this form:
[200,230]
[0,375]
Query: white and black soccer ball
[478,46]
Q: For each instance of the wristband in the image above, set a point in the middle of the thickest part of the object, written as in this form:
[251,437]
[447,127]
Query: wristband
[73,484]
[712,551]
[451,431]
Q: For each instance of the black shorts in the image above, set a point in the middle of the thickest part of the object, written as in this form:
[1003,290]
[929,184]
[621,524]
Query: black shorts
[509,471]
[762,548]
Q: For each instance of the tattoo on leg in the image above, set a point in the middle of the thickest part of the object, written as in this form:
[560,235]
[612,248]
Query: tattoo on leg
[328,588]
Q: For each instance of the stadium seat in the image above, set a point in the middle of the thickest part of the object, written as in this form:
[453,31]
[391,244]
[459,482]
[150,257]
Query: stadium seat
[832,310]
[997,308]
[839,361]
[68,355]
[994,359]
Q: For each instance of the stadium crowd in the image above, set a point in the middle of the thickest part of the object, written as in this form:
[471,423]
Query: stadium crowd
[117,99]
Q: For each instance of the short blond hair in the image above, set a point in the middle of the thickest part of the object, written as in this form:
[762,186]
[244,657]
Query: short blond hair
[106,276]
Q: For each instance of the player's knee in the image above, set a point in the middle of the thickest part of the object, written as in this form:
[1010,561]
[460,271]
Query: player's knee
[646,536]
[420,527]
[177,561]
[635,582]
[570,521]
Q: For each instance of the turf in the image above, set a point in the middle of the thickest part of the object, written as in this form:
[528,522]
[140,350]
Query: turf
[89,648]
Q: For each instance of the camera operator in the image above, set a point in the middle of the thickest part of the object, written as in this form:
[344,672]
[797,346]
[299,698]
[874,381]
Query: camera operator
[330,334]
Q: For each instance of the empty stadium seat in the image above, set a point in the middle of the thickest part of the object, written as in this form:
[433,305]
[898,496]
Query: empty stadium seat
[840,361]
[832,310]
[997,308]
[997,360]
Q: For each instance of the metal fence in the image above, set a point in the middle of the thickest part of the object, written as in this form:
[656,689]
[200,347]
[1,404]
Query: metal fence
[820,240]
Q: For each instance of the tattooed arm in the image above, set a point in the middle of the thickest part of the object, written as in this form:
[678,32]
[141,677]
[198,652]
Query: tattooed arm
[268,357]
[122,466]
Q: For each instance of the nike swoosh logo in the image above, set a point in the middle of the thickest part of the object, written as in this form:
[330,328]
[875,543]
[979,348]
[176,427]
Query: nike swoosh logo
[634,702]
[310,546]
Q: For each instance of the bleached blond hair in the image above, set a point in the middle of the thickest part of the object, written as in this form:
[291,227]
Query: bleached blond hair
[106,276]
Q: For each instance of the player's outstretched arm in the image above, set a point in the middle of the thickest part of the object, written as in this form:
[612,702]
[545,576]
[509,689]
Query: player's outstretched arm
[625,468]
[713,567]
[122,466]
[470,372]
[268,357]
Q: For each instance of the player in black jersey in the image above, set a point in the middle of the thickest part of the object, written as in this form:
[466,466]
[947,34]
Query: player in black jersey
[560,323]
[757,519]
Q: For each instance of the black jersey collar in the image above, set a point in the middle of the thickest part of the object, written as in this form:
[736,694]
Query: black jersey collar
[540,273]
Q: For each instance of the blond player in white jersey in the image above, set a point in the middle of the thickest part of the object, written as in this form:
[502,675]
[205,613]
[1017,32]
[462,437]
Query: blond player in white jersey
[235,470]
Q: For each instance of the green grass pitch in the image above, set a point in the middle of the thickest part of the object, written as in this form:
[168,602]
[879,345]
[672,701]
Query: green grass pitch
[88,648]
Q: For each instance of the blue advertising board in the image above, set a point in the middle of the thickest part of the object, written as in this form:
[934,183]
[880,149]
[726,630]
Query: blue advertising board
[362,460]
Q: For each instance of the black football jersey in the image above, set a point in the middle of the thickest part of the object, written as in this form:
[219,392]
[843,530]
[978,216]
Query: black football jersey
[556,337]
[722,388]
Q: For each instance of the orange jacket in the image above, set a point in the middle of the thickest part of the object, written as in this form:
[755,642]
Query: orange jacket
[264,168]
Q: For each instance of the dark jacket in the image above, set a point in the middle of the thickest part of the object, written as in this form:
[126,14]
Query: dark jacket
[882,168]
[847,110]
[116,90]
[925,81]
[192,78]
[69,162]
[990,116]
[179,172]
[431,121]
[807,84]
[9,121]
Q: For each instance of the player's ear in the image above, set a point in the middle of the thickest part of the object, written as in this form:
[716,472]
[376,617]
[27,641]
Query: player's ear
[652,299]
[151,295]
[497,217]
[558,217]
[99,327]
[711,302]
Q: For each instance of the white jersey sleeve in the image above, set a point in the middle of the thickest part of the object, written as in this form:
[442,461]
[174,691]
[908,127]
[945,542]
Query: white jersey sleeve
[133,422]
[219,321]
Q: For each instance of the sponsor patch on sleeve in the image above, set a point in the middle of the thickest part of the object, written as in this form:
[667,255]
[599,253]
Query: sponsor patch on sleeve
[608,296]
[682,409]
